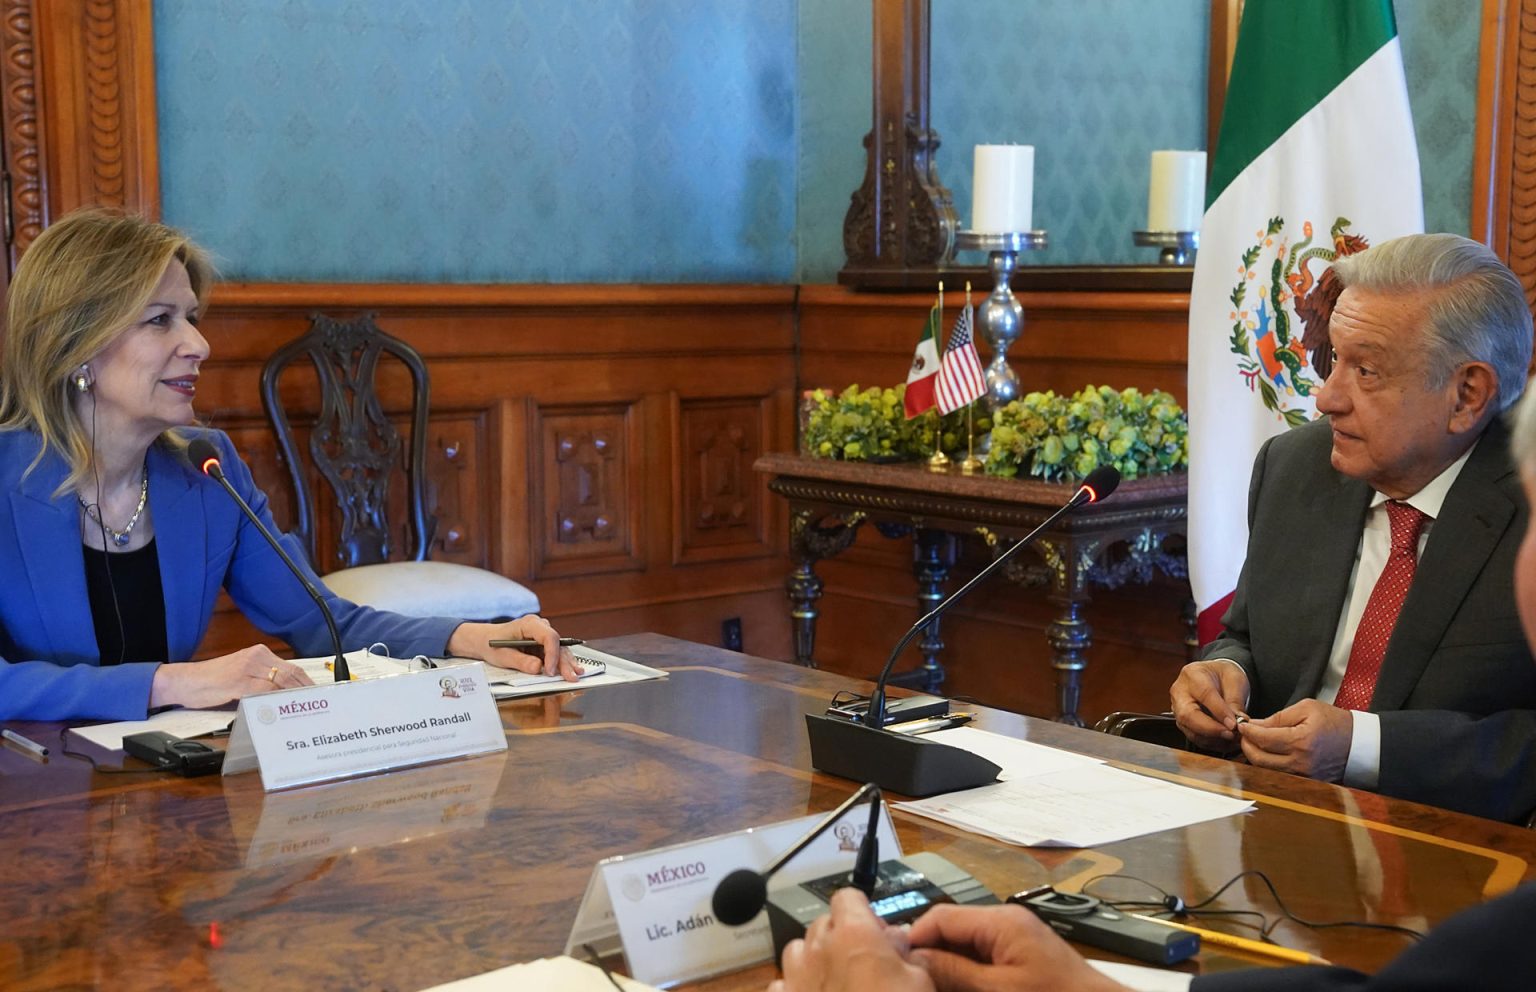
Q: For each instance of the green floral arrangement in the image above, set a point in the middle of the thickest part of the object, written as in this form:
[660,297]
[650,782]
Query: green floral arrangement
[871,425]
[1063,438]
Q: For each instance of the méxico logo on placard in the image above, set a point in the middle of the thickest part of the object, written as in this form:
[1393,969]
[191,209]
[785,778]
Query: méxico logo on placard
[1281,303]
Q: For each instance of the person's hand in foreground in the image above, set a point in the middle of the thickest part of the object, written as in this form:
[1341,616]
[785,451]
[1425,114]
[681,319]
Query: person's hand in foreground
[949,948]
[999,949]
[850,948]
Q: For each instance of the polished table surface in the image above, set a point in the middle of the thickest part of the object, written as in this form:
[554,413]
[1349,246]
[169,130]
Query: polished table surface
[405,880]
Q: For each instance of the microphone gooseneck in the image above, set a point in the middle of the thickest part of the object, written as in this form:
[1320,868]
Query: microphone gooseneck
[205,458]
[1098,485]
[743,893]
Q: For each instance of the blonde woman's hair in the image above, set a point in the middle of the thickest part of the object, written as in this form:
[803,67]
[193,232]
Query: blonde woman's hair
[83,282]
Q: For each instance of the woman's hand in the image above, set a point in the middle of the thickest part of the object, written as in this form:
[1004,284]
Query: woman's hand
[201,684]
[472,640]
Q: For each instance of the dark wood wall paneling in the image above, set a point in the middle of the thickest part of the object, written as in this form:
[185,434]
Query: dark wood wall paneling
[596,443]
[593,442]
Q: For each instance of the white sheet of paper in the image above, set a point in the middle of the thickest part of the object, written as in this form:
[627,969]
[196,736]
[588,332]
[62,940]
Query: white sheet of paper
[545,975]
[1084,806]
[1016,758]
[1142,978]
[177,723]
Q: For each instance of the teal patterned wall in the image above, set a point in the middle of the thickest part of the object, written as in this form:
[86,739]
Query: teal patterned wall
[678,140]
[1094,85]
[1440,39]
[482,140]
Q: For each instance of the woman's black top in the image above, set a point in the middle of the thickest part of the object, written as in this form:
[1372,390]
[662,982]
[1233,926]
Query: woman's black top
[127,604]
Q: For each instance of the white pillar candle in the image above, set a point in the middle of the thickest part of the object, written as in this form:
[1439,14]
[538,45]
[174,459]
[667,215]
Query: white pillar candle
[1176,198]
[1003,189]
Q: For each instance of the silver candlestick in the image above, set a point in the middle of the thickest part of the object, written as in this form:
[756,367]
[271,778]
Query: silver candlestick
[1176,245]
[1000,317]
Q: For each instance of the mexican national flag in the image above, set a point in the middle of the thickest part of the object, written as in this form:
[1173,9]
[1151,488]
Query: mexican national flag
[922,377]
[1315,159]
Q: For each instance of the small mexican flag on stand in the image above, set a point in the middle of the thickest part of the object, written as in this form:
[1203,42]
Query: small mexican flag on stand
[1316,159]
[922,377]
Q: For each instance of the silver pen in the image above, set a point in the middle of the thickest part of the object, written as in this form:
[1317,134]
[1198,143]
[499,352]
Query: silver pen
[25,743]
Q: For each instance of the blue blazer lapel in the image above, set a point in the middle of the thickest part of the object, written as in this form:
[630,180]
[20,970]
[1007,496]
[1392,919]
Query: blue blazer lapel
[55,580]
[181,542]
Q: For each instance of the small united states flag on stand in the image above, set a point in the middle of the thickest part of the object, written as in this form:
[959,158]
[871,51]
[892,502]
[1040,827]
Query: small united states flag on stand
[961,379]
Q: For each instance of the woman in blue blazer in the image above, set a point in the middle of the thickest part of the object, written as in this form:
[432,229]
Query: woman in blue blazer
[112,547]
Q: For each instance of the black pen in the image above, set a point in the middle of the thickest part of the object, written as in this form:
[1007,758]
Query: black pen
[524,644]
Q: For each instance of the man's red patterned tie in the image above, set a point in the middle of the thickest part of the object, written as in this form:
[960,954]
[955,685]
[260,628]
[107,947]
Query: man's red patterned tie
[1382,608]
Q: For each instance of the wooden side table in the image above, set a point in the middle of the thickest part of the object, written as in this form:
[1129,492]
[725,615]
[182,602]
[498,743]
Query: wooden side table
[1108,544]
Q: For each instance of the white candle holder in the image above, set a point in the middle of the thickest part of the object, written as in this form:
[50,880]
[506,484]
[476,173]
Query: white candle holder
[1177,246]
[1000,318]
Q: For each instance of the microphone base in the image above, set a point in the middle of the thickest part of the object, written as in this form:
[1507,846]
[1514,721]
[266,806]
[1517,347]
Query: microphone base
[895,762]
[904,890]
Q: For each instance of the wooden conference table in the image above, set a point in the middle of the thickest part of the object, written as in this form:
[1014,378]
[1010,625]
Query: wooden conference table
[425,875]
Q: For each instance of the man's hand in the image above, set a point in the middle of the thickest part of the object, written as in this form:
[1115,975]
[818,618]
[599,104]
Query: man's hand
[850,950]
[1308,738]
[999,949]
[1207,698]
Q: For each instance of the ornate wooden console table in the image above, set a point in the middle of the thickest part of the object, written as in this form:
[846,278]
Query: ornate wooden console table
[1118,541]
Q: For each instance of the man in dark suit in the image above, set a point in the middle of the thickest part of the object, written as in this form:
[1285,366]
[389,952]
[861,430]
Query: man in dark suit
[1489,948]
[1372,638]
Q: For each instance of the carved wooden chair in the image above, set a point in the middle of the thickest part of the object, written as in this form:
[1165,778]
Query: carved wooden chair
[356,450]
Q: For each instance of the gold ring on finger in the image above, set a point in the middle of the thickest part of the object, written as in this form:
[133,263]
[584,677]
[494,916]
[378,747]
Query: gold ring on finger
[272,675]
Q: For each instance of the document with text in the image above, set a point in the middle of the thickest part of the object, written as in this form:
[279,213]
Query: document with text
[1064,799]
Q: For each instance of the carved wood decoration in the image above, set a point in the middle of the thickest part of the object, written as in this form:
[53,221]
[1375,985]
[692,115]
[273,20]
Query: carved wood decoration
[901,216]
[590,491]
[1504,151]
[458,487]
[96,77]
[720,501]
[25,213]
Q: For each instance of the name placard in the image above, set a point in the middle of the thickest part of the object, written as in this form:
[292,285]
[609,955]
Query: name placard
[338,729]
[658,902]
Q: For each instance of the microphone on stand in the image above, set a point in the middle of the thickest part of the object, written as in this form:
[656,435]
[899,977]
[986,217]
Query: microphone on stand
[898,890]
[743,893]
[205,458]
[866,752]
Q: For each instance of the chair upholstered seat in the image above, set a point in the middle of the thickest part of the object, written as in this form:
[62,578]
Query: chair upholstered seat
[433,589]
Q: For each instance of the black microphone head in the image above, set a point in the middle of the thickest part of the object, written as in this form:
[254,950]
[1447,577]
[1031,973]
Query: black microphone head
[1101,482]
[740,896]
[203,455]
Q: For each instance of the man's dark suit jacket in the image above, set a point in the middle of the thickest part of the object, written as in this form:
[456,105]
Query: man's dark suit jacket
[1488,948]
[1457,690]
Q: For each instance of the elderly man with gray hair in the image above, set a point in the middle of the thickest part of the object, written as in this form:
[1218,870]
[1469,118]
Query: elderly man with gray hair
[1432,335]
[1373,638]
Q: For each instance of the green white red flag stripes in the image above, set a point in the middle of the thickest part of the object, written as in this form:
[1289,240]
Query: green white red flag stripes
[922,377]
[1316,158]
